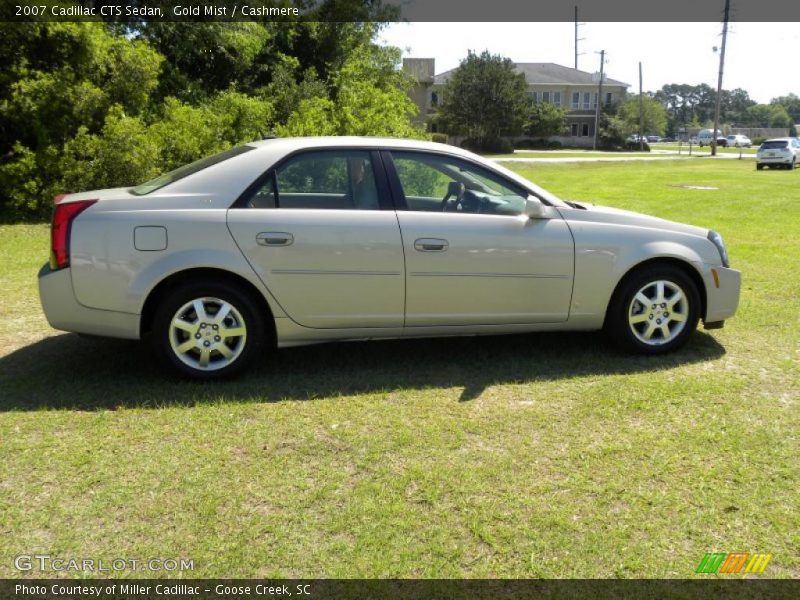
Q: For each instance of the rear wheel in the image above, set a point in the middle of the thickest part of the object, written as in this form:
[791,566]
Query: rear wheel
[759,166]
[654,310]
[207,331]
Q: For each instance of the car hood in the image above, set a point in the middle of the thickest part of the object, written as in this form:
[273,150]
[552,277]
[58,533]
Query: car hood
[586,212]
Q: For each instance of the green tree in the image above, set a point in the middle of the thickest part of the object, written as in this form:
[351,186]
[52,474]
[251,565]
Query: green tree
[485,98]
[545,120]
[654,113]
[791,103]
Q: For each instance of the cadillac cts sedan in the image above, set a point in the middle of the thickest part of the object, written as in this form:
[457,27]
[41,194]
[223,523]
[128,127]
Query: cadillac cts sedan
[285,242]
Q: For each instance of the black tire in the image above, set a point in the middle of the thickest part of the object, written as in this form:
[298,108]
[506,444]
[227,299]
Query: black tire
[244,320]
[624,305]
[759,166]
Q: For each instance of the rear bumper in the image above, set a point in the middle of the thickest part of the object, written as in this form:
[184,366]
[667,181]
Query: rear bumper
[722,293]
[64,312]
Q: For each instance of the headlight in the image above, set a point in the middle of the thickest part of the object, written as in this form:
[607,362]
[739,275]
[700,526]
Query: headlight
[716,239]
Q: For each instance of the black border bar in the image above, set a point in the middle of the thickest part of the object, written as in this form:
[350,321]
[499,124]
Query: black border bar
[488,11]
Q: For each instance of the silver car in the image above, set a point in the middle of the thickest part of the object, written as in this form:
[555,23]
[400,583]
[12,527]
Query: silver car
[286,242]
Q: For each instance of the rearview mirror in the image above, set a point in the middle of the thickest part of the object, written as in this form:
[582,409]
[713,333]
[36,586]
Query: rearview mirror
[535,208]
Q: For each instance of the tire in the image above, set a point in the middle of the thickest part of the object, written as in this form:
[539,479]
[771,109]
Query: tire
[664,323]
[793,165]
[759,166]
[199,348]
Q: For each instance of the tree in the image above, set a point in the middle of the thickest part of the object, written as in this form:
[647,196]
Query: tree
[545,120]
[792,105]
[485,98]
[768,115]
[655,115]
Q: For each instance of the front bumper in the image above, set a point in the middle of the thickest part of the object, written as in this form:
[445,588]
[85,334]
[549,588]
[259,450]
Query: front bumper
[64,312]
[722,293]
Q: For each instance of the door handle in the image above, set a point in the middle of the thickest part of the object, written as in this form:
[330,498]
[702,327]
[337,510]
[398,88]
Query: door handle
[274,238]
[431,245]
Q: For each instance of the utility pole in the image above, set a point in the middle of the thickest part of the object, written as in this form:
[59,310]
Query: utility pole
[719,80]
[577,39]
[599,99]
[641,110]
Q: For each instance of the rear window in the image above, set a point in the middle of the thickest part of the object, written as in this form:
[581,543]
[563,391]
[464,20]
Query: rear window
[186,170]
[774,145]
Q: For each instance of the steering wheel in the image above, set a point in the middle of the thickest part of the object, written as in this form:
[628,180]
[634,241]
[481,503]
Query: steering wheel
[456,190]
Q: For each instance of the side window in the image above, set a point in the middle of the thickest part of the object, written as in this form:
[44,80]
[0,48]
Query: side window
[326,179]
[437,183]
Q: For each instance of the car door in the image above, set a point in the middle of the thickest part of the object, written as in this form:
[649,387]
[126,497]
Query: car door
[320,231]
[472,256]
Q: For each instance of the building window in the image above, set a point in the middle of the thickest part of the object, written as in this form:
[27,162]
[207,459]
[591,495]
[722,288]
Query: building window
[585,129]
[594,103]
[608,98]
[587,97]
[434,99]
[557,98]
[576,100]
[545,96]
[574,130]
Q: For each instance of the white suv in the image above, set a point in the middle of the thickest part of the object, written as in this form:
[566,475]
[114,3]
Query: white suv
[781,153]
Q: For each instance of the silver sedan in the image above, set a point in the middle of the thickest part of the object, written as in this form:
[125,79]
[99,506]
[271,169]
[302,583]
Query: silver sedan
[286,242]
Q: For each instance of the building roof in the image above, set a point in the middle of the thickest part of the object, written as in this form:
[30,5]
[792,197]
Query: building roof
[546,74]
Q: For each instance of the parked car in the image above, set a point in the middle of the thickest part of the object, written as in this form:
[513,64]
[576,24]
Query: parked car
[635,137]
[779,153]
[295,241]
[653,138]
[739,141]
[705,136]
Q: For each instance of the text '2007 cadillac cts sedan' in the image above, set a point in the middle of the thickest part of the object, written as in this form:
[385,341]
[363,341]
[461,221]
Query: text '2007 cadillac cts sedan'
[286,242]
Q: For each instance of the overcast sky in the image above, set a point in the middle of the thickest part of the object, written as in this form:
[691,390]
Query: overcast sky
[760,57]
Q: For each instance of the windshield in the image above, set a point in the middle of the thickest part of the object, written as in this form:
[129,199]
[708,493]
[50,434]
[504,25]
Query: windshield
[774,145]
[186,170]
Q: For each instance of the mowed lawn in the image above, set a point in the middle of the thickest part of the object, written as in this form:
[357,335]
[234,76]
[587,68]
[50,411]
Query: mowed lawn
[525,456]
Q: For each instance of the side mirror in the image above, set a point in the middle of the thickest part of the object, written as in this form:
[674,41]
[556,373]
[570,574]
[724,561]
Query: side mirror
[535,208]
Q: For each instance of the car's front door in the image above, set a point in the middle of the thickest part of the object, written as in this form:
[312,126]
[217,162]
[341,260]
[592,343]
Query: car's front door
[321,233]
[472,257]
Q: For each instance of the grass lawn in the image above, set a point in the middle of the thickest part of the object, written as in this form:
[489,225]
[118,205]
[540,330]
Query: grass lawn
[523,456]
[567,154]
[705,150]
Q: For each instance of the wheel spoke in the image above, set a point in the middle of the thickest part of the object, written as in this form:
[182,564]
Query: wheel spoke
[186,346]
[205,356]
[223,312]
[676,297]
[229,332]
[665,330]
[179,323]
[676,316]
[224,350]
[660,291]
[648,333]
[643,300]
[640,318]
[200,309]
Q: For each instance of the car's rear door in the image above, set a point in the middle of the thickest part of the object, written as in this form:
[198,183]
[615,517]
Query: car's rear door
[477,260]
[321,233]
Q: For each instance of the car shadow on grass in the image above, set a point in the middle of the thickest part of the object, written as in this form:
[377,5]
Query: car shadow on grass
[69,372]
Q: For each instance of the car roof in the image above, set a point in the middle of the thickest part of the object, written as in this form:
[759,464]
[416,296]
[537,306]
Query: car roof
[781,139]
[290,144]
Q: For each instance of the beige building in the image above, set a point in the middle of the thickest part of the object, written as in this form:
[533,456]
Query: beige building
[573,90]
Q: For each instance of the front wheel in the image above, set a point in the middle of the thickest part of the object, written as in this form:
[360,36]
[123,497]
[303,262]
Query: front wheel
[207,331]
[654,310]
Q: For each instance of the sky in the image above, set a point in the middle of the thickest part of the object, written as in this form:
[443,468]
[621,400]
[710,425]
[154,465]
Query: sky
[759,57]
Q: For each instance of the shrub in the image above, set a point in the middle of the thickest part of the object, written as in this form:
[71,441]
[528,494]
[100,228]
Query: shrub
[439,137]
[634,146]
[490,145]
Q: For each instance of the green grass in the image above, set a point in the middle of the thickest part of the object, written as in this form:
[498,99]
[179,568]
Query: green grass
[704,150]
[521,456]
[568,154]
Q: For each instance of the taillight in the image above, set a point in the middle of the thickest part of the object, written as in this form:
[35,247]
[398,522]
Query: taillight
[63,215]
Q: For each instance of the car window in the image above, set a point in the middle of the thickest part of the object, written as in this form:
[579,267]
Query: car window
[440,183]
[774,145]
[330,179]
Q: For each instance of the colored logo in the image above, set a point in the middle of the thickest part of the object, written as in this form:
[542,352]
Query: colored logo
[735,562]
